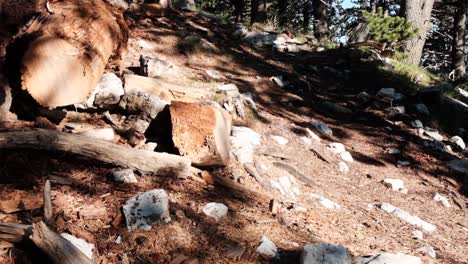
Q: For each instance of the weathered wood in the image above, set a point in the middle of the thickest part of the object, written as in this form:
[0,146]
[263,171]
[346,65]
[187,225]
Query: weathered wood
[107,152]
[68,45]
[23,204]
[59,250]
[48,211]
[14,233]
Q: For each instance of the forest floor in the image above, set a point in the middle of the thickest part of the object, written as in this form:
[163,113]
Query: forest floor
[358,225]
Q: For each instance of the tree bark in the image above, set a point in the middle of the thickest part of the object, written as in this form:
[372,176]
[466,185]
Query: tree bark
[62,51]
[419,13]
[145,161]
[373,6]
[258,11]
[307,13]
[458,41]
[283,12]
[239,6]
[386,7]
[320,20]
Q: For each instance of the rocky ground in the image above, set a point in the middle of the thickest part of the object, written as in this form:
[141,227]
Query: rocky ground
[315,158]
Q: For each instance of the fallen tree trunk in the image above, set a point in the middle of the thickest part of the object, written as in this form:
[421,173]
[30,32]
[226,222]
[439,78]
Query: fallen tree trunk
[107,152]
[65,48]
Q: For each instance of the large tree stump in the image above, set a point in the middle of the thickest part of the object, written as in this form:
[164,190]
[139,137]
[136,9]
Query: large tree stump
[65,47]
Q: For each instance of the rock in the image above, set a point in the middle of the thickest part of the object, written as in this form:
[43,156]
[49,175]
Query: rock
[364,97]
[404,163]
[138,124]
[243,143]
[278,80]
[239,33]
[388,258]
[422,109]
[280,140]
[145,209]
[325,202]
[427,250]
[152,67]
[142,103]
[81,244]
[217,211]
[259,39]
[394,184]
[201,133]
[386,92]
[460,166]
[346,156]
[306,140]
[312,135]
[443,200]
[396,110]
[108,91]
[106,134]
[336,148]
[418,235]
[324,253]
[322,128]
[417,124]
[126,176]
[267,248]
[286,185]
[407,217]
[433,134]
[458,141]
[393,151]
[214,74]
[343,167]
[184,4]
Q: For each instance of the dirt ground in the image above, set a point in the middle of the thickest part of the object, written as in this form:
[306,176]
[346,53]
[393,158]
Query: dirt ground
[90,207]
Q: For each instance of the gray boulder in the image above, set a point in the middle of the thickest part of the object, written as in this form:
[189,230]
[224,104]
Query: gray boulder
[145,209]
[324,253]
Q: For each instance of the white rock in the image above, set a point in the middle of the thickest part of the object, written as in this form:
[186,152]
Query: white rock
[216,211]
[154,67]
[280,140]
[417,234]
[407,217]
[387,92]
[267,248]
[312,135]
[126,176]
[118,240]
[417,124]
[388,258]
[286,186]
[306,140]
[346,156]
[243,143]
[404,163]
[145,209]
[433,134]
[422,109]
[427,250]
[322,127]
[443,200]
[325,202]
[393,151]
[214,74]
[394,184]
[279,41]
[81,244]
[145,44]
[336,148]
[458,141]
[278,80]
[324,253]
[108,91]
[343,167]
[106,134]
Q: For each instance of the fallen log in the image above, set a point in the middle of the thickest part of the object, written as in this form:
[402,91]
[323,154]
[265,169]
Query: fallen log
[65,47]
[56,247]
[145,161]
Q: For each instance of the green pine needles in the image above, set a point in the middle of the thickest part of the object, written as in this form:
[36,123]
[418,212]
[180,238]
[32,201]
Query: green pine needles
[389,30]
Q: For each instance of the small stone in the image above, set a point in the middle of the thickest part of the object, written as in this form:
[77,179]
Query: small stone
[153,67]
[126,176]
[393,151]
[306,140]
[422,109]
[238,33]
[325,202]
[324,253]
[386,92]
[417,234]
[322,128]
[346,156]
[243,143]
[216,211]
[427,250]
[396,110]
[312,135]
[459,142]
[336,148]
[145,209]
[214,74]
[108,91]
[267,248]
[394,184]
[364,97]
[85,247]
[388,258]
[278,80]
[106,134]
[280,140]
[417,124]
[433,134]
[404,163]
[443,200]
[343,167]
[118,240]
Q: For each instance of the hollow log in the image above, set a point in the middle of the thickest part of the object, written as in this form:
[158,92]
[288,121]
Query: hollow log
[65,47]
[161,164]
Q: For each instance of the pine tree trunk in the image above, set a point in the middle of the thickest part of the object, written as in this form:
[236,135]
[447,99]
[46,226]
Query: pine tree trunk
[306,12]
[373,6]
[458,42]
[257,12]
[419,13]
[320,20]
[386,7]
[282,12]
[238,10]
